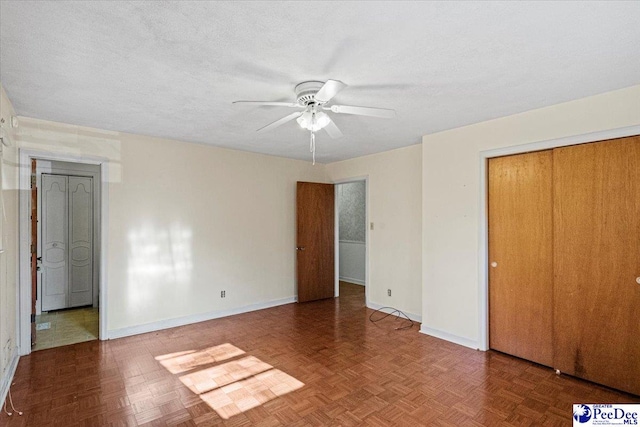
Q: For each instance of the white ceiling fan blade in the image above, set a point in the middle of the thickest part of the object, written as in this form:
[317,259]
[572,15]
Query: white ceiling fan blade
[363,111]
[270,103]
[329,90]
[333,130]
[280,122]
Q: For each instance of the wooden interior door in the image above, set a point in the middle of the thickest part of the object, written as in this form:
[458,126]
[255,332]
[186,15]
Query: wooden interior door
[597,262]
[521,256]
[34,250]
[315,241]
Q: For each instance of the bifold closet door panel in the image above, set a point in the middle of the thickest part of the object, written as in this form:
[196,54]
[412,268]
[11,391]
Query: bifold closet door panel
[80,241]
[54,242]
[597,262]
[521,255]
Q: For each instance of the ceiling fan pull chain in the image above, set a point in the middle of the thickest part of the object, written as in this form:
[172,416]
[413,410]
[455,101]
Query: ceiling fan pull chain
[313,135]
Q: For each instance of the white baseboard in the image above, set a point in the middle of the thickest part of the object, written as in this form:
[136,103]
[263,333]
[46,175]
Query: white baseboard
[466,342]
[195,318]
[352,280]
[412,316]
[5,381]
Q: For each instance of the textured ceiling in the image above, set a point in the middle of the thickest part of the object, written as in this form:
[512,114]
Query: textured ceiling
[172,69]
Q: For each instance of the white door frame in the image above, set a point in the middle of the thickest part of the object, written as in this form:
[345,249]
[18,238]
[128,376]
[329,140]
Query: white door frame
[483,238]
[24,253]
[336,227]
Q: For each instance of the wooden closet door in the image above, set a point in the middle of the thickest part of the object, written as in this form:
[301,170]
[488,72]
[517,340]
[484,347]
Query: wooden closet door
[521,256]
[597,262]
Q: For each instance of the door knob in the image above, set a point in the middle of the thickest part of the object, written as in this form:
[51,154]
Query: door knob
[494,264]
[638,280]
[299,248]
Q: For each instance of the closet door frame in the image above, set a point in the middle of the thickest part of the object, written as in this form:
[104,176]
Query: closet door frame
[483,226]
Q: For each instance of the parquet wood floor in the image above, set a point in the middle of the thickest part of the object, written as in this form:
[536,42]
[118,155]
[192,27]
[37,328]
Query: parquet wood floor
[321,363]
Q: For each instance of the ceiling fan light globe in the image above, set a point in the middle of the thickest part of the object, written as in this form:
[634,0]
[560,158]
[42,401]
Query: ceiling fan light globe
[306,121]
[322,120]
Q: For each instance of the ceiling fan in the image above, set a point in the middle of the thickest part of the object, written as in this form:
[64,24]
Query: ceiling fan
[312,98]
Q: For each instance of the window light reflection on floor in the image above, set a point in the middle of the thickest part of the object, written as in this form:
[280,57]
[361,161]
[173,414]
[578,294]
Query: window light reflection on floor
[184,361]
[233,387]
[243,395]
[217,376]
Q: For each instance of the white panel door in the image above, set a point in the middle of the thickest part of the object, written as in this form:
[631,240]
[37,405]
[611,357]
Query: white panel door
[54,242]
[80,241]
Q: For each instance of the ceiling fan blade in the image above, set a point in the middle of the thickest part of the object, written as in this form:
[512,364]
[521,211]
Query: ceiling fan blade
[280,122]
[395,86]
[383,113]
[270,103]
[333,130]
[329,90]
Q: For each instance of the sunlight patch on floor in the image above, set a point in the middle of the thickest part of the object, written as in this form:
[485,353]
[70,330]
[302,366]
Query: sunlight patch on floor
[218,376]
[184,361]
[241,396]
[233,387]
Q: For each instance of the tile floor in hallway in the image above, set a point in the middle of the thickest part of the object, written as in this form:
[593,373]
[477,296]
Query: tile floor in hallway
[66,327]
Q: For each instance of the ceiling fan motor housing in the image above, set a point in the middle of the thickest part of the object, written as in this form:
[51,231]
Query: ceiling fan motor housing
[306,92]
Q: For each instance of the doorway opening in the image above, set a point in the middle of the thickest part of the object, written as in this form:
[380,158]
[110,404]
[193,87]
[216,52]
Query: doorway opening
[67,218]
[62,250]
[351,240]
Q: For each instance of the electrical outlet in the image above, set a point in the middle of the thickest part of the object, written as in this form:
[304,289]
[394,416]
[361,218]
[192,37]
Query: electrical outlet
[223,294]
[389,292]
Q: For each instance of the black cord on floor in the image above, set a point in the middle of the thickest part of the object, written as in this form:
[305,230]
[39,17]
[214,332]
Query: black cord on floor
[393,311]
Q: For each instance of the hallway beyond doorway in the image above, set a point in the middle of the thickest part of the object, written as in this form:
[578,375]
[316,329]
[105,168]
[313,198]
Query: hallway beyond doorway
[66,327]
[352,294]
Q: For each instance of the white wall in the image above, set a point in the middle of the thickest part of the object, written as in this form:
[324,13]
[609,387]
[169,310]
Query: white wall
[451,196]
[394,187]
[352,258]
[185,222]
[9,254]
